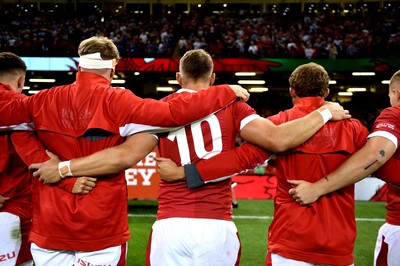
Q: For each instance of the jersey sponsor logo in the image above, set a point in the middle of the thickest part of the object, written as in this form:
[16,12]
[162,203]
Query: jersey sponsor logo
[385,125]
[143,172]
[71,120]
[7,256]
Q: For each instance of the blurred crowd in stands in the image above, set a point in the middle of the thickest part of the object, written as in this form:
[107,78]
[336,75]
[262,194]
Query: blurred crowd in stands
[354,34]
[375,33]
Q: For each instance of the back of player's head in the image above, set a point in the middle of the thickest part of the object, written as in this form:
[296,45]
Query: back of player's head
[309,80]
[196,64]
[11,64]
[99,44]
[395,81]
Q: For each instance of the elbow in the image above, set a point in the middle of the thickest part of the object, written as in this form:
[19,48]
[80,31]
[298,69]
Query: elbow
[275,146]
[280,148]
[280,145]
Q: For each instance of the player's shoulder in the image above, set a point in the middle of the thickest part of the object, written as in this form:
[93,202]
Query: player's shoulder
[240,104]
[393,110]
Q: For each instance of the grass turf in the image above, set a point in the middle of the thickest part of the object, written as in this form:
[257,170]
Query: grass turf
[252,219]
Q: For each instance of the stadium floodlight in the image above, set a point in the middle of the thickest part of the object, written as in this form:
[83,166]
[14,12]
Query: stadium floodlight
[173,82]
[118,81]
[363,73]
[258,89]
[42,80]
[245,74]
[332,82]
[33,92]
[385,81]
[356,89]
[345,93]
[165,89]
[25,88]
[251,82]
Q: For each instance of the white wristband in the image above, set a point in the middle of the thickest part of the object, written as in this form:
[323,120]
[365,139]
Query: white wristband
[326,114]
[64,169]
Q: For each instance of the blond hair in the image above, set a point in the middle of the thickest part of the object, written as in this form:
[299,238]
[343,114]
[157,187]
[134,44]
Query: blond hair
[99,44]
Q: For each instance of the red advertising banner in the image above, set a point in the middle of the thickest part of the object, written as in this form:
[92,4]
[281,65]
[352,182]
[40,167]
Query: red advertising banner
[143,180]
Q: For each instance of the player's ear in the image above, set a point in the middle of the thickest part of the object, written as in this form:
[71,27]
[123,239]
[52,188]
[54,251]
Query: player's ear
[21,82]
[178,77]
[212,79]
[112,72]
[397,93]
[326,92]
[292,92]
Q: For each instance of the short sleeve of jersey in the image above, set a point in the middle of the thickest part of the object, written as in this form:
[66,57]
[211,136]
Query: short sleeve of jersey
[387,125]
[243,114]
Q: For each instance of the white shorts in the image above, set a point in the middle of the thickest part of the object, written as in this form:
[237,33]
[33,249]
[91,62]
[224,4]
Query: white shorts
[192,241]
[113,256]
[11,240]
[278,260]
[387,248]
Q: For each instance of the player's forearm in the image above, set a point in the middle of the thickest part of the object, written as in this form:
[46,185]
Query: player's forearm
[102,163]
[242,158]
[265,134]
[363,163]
[294,133]
[115,159]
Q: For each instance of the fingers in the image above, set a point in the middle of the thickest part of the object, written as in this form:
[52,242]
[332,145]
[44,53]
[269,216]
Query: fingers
[51,155]
[87,183]
[3,199]
[34,166]
[36,174]
[294,182]
[240,92]
[42,180]
[87,188]
[244,95]
[161,159]
[295,197]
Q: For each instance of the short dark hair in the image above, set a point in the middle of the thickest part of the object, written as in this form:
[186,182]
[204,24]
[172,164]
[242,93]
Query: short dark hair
[309,80]
[196,64]
[11,63]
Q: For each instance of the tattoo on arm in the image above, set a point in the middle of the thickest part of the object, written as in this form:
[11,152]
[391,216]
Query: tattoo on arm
[382,153]
[368,166]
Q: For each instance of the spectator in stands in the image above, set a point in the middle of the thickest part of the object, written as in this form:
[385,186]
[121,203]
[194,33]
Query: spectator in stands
[34,33]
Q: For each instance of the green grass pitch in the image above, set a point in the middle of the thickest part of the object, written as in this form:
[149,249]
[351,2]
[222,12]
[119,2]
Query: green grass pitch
[252,219]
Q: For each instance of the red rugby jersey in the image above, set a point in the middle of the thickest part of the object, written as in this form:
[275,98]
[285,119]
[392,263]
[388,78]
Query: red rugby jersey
[323,232]
[388,122]
[201,140]
[81,118]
